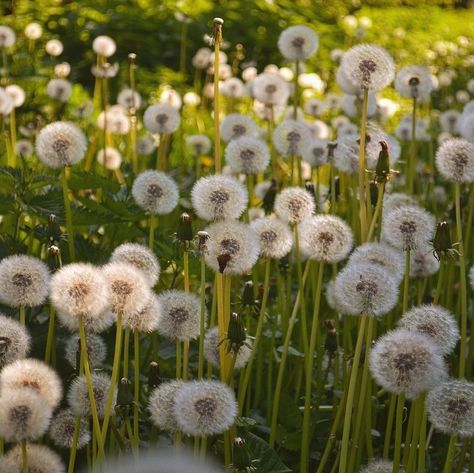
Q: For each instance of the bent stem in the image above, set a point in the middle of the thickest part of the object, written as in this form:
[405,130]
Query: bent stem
[309,372]
[67,208]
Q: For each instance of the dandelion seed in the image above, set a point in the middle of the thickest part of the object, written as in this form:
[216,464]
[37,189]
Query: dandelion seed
[291,138]
[270,89]
[205,408]
[161,405]
[276,238]
[297,43]
[247,155]
[294,204]
[236,125]
[219,197]
[407,362]
[161,119]
[62,430]
[104,46]
[24,281]
[41,459]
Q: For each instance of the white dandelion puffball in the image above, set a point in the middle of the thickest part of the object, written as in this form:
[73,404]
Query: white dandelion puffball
[408,362]
[219,197]
[380,466]
[270,89]
[204,408]
[211,349]
[467,128]
[236,125]
[395,200]
[17,94]
[435,322]
[161,405]
[24,281]
[374,136]
[345,84]
[276,237]
[171,97]
[233,87]
[180,317]
[423,263]
[23,415]
[314,107]
[449,121]
[297,43]
[191,99]
[59,89]
[7,37]
[316,154]
[450,407]
[79,290]
[471,277]
[96,350]
[291,137]
[145,320]
[233,247]
[110,158]
[382,254]
[346,154]
[161,119]
[54,47]
[60,144]
[408,227]
[365,289]
[41,459]
[141,257]
[6,102]
[155,192]
[247,155]
[325,238]
[33,31]
[294,204]
[14,341]
[34,375]
[146,144]
[78,395]
[114,120]
[199,145]
[455,160]
[128,288]
[414,82]
[104,46]
[368,66]
[128,99]
[62,428]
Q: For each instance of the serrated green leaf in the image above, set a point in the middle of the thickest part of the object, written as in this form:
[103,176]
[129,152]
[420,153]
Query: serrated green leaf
[268,459]
[245,422]
[80,180]
[43,205]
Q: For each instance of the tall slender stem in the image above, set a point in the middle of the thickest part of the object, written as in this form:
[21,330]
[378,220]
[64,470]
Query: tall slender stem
[362,166]
[202,294]
[24,457]
[406,282]
[136,387]
[398,433]
[217,131]
[299,270]
[450,454]
[151,236]
[412,158]
[50,340]
[67,208]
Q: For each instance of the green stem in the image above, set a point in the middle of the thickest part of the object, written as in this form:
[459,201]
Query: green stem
[67,208]
[126,351]
[309,372]
[202,294]
[151,238]
[299,270]
[422,444]
[406,282]
[389,426]
[398,433]
[362,167]
[450,455]
[412,158]
[439,285]
[350,397]
[136,383]
[50,339]
[73,450]
[24,457]
[22,315]
[377,211]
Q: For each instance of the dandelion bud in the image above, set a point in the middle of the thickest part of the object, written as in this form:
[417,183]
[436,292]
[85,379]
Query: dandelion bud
[154,378]
[124,404]
[185,228]
[442,239]
[269,197]
[241,460]
[330,344]
[236,332]
[382,169]
[203,237]
[248,298]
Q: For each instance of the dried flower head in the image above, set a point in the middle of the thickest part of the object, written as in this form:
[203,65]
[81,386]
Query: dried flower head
[291,137]
[414,82]
[198,145]
[233,247]
[365,288]
[270,89]
[62,430]
[41,459]
[59,89]
[80,290]
[7,37]
[435,322]
[236,125]
[276,238]
[161,118]
[450,407]
[294,204]
[96,350]
[78,395]
[14,341]
[211,349]
[110,158]
[455,160]
[219,197]
[297,43]
[408,362]
[161,405]
[60,144]
[155,192]
[104,46]
[128,99]
[247,155]
[34,375]
[408,227]
[205,408]
[128,288]
[368,66]
[141,257]
[180,317]
[23,415]
[24,281]
[325,238]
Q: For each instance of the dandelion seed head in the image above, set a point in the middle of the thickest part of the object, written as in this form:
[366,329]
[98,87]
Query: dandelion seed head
[161,405]
[316,153]
[247,155]
[24,148]
[114,120]
[467,128]
[110,158]
[33,31]
[205,408]
[62,429]
[7,37]
[146,145]
[380,466]
[233,87]
[211,349]
[449,121]
[455,160]
[161,118]
[233,247]
[346,154]
[291,137]
[155,192]
[423,262]
[276,238]
[14,341]
[297,43]
[54,47]
[104,46]
[59,89]
[351,105]
[17,94]
[24,281]
[145,320]
[414,82]
[270,89]
[96,350]
[408,362]
[392,201]
[219,197]
[6,103]
[41,459]
[236,125]
[128,99]
[199,145]
[345,84]
[294,204]
[60,144]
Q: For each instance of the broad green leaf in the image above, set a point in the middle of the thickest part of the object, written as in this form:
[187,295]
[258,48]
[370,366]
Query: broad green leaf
[87,180]
[268,459]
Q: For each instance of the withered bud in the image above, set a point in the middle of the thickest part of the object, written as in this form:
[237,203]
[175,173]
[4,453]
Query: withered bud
[154,377]
[236,333]
[241,460]
[382,170]
[185,228]
[223,260]
[247,294]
